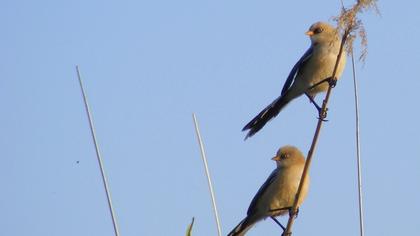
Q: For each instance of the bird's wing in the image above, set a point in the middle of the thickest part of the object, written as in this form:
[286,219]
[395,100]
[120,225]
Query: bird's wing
[262,190]
[295,70]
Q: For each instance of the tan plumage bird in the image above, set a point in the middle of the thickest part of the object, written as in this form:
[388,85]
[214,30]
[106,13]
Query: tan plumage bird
[278,191]
[316,65]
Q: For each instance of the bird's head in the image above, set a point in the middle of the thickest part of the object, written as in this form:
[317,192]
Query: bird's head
[288,155]
[321,33]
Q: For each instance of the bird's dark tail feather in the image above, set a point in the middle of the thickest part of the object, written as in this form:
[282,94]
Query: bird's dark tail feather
[265,115]
[242,227]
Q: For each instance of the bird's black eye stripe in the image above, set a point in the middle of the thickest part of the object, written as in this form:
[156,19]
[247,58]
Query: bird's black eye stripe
[318,30]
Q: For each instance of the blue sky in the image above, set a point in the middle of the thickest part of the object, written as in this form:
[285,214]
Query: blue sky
[147,66]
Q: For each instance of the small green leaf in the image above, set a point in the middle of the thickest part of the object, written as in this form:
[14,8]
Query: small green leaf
[189,229]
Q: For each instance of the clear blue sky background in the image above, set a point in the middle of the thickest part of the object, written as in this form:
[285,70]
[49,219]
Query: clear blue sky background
[147,66]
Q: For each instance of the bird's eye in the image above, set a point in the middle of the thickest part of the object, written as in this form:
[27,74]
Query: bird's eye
[318,30]
[285,156]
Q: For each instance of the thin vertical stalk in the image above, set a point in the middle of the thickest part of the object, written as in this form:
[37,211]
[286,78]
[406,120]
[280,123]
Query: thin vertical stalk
[315,140]
[359,165]
[98,154]
[203,156]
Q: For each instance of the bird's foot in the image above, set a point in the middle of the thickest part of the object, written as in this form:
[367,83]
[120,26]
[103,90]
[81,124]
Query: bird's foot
[323,115]
[332,82]
[293,214]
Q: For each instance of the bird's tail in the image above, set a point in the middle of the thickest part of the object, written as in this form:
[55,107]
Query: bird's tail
[265,115]
[242,227]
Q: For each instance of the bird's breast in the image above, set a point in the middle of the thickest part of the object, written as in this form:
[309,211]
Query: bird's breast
[321,68]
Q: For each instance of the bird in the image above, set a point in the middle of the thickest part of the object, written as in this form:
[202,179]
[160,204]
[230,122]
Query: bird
[307,75]
[276,196]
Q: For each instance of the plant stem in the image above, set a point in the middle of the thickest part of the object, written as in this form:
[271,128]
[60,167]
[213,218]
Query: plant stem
[203,156]
[359,164]
[98,154]
[315,140]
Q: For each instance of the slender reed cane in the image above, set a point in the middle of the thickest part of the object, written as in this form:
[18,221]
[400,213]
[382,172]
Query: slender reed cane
[98,154]
[203,156]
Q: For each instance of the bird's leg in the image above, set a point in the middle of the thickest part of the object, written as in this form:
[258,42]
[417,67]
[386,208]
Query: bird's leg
[331,81]
[281,209]
[290,209]
[320,82]
[322,115]
[291,214]
[311,98]
[278,222]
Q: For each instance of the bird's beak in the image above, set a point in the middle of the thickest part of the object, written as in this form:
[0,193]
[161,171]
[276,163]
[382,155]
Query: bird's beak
[276,158]
[309,33]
